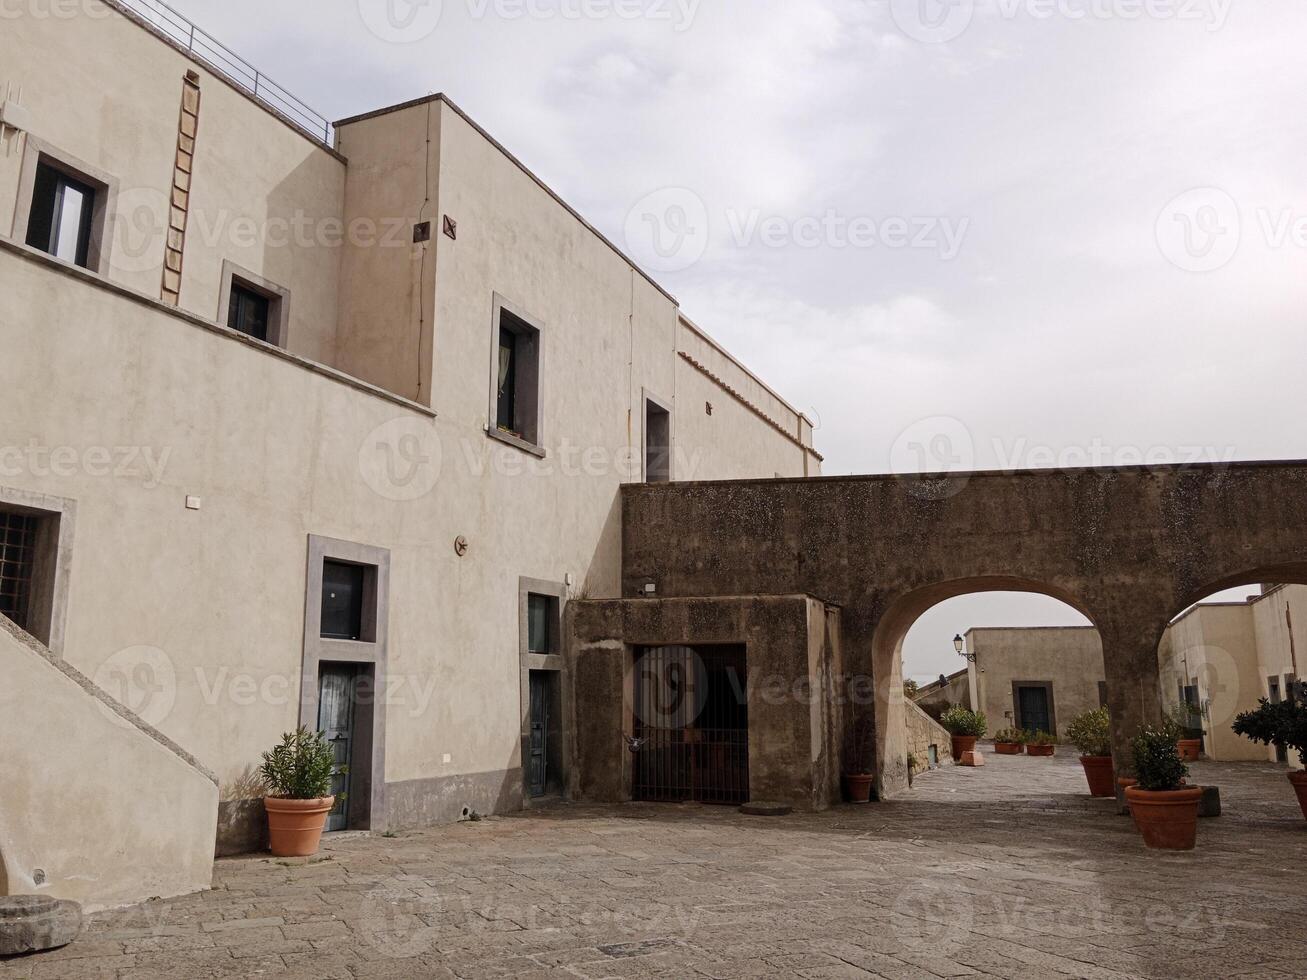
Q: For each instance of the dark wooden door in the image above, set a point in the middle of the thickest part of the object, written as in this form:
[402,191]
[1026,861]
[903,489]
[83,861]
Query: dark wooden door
[538,764]
[1033,709]
[337,686]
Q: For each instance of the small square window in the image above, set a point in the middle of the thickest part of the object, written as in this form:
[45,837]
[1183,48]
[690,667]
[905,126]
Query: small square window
[63,210]
[516,384]
[343,587]
[541,612]
[248,311]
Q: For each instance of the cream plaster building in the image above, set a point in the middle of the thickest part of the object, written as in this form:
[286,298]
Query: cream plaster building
[304,424]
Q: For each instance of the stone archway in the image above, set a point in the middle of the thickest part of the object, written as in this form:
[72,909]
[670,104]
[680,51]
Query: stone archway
[1132,546]
[886,659]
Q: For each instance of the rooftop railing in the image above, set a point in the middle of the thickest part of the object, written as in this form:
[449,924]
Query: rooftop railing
[227,63]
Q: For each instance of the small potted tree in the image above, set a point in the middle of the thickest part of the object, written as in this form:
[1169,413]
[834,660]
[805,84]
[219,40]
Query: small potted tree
[1285,725]
[1010,741]
[1164,809]
[965,726]
[1091,733]
[1040,744]
[860,759]
[298,775]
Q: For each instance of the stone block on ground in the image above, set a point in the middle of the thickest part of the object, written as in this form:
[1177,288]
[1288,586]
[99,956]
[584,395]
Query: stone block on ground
[33,923]
[972,759]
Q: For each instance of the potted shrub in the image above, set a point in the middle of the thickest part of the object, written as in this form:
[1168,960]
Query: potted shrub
[1283,724]
[1010,741]
[1187,723]
[1091,733]
[1040,744]
[965,726]
[860,759]
[298,775]
[1164,809]
[912,768]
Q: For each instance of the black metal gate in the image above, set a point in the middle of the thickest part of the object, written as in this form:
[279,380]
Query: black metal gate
[692,725]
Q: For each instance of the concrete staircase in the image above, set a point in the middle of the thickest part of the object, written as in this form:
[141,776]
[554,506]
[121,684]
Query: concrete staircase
[95,805]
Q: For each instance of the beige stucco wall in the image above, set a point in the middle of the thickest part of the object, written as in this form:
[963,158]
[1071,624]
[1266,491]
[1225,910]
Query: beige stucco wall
[106,813]
[956,691]
[1215,647]
[1070,658]
[207,602]
[113,104]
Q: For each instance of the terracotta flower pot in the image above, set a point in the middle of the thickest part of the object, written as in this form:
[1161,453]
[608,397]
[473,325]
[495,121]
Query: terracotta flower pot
[1299,780]
[1040,750]
[1099,773]
[1007,748]
[857,786]
[962,744]
[1189,748]
[1167,820]
[295,826]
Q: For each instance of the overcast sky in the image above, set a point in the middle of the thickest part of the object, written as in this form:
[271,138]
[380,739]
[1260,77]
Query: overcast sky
[993,234]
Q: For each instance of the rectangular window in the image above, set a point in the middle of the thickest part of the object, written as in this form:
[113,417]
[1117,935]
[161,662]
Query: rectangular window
[61,217]
[17,561]
[1290,687]
[1102,694]
[343,587]
[248,311]
[516,384]
[541,611]
[657,443]
[1273,689]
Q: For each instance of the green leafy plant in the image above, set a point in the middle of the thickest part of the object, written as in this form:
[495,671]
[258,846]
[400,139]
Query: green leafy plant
[1040,738]
[912,763]
[1011,736]
[1091,732]
[300,768]
[1157,760]
[1283,725]
[965,722]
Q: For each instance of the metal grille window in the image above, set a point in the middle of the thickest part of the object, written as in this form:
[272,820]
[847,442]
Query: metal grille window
[692,725]
[17,557]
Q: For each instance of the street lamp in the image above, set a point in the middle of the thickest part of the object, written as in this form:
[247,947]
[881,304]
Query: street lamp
[960,646]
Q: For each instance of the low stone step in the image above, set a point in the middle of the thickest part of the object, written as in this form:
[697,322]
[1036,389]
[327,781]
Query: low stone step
[33,923]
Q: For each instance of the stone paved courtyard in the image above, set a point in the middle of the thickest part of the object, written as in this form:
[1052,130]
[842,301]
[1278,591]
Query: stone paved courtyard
[1005,871]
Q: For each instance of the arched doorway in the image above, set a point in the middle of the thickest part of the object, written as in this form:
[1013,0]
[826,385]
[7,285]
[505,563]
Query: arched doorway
[1014,707]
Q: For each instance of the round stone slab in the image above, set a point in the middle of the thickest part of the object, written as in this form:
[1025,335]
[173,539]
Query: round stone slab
[31,923]
[767,809]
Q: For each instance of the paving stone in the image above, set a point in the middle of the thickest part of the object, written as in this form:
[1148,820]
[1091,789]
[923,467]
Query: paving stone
[1008,871]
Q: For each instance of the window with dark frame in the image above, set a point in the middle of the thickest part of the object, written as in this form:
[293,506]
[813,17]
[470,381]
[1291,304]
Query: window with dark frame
[657,443]
[343,588]
[517,378]
[61,217]
[17,560]
[248,311]
[541,612]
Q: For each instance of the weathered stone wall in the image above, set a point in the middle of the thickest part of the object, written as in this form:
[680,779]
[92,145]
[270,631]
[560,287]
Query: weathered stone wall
[1128,548]
[923,732]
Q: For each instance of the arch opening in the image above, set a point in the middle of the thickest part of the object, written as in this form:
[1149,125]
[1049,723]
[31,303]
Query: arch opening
[1035,646]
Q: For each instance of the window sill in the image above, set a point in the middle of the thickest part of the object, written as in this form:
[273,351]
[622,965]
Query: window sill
[515,442]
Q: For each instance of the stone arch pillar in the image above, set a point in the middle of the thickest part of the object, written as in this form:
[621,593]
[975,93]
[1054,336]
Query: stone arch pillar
[1131,637]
